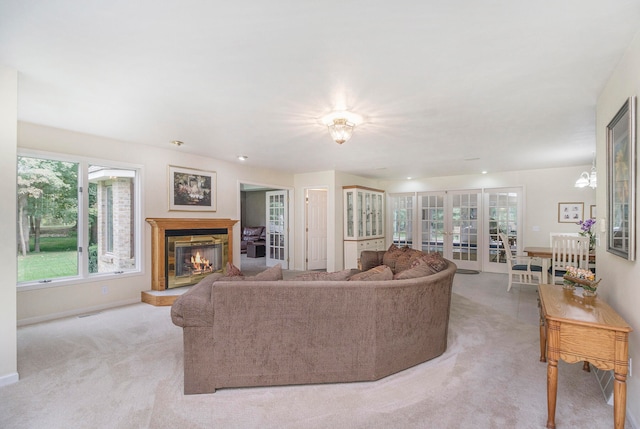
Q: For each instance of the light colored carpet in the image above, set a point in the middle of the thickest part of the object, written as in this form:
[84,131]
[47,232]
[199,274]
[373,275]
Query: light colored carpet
[122,368]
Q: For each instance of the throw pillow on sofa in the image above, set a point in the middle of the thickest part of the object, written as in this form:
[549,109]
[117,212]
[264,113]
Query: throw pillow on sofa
[232,270]
[381,272]
[421,270]
[405,260]
[434,260]
[391,256]
[270,274]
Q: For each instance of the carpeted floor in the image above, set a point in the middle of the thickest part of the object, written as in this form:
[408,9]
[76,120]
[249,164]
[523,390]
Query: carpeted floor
[122,368]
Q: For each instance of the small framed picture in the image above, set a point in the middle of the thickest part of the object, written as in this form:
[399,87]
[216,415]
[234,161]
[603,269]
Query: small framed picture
[592,212]
[570,212]
[191,189]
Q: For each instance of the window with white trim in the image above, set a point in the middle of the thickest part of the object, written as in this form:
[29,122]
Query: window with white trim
[76,219]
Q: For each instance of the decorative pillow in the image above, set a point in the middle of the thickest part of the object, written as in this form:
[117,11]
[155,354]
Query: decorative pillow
[233,271]
[381,272]
[421,270]
[317,276]
[270,274]
[434,260]
[405,259]
[391,256]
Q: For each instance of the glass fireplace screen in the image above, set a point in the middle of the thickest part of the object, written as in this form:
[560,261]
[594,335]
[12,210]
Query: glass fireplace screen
[191,258]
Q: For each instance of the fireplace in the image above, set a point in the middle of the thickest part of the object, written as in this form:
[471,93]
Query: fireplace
[174,241]
[191,255]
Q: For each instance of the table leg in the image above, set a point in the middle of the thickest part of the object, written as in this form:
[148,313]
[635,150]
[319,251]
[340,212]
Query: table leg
[619,400]
[543,341]
[553,355]
[552,391]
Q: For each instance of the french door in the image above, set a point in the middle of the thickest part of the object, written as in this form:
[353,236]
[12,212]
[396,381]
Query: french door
[462,226]
[450,224]
[503,211]
[277,234]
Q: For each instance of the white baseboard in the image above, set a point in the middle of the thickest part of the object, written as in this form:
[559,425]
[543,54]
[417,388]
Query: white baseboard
[76,312]
[8,379]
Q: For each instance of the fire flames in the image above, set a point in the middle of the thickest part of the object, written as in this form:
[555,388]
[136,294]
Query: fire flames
[200,264]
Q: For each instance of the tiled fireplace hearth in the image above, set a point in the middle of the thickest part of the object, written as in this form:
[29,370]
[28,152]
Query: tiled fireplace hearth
[183,251]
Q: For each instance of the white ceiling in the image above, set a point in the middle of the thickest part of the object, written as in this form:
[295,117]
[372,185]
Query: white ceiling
[445,86]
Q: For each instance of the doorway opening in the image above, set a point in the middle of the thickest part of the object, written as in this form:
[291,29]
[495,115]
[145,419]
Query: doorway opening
[264,227]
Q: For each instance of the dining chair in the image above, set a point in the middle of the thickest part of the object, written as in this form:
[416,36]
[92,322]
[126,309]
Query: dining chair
[555,234]
[521,269]
[568,251]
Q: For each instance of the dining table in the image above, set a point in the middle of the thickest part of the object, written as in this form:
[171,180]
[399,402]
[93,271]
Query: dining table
[545,254]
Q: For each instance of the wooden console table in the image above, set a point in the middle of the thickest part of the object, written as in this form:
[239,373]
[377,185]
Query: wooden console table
[575,328]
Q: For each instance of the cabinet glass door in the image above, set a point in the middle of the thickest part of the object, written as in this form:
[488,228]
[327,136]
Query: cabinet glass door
[350,210]
[360,213]
[380,214]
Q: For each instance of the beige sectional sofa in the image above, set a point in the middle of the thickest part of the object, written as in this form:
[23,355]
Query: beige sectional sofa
[320,328]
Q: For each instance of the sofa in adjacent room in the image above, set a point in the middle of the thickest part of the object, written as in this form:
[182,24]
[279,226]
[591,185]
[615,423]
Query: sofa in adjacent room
[318,327]
[252,233]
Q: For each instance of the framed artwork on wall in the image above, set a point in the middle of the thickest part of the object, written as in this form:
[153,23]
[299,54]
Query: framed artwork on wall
[191,189]
[570,212]
[621,180]
[592,212]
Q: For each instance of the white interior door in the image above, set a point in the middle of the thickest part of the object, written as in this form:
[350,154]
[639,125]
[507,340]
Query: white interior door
[277,228]
[316,229]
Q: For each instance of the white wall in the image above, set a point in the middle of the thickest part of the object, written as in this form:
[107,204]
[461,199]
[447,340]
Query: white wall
[43,304]
[620,286]
[8,262]
[543,190]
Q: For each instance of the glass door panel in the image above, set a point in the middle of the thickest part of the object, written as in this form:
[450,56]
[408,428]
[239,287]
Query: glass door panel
[277,213]
[402,219]
[432,223]
[503,211]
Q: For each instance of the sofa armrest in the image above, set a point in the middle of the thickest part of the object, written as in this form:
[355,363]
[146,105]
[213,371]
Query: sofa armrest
[370,259]
[195,307]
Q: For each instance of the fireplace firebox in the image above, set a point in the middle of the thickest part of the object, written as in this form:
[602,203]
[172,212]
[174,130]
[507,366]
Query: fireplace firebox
[191,255]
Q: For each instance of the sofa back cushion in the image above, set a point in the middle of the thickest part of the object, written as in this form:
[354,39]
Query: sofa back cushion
[381,272]
[322,276]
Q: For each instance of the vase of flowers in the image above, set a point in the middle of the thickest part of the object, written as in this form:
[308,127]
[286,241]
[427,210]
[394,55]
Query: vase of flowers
[586,231]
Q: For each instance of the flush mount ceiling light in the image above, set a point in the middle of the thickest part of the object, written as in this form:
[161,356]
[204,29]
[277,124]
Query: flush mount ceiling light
[243,157]
[177,143]
[587,179]
[341,125]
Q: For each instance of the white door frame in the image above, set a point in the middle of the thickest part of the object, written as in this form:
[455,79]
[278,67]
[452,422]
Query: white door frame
[237,232]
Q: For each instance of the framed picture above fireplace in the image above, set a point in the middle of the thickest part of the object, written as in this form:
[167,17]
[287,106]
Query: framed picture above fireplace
[192,190]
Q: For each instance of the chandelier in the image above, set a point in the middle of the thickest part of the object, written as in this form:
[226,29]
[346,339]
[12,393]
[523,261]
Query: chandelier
[341,125]
[588,179]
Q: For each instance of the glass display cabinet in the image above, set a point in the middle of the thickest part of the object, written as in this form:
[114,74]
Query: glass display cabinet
[363,222]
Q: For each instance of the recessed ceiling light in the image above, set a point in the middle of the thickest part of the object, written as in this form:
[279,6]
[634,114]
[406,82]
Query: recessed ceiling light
[243,157]
[409,178]
[177,143]
[484,172]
